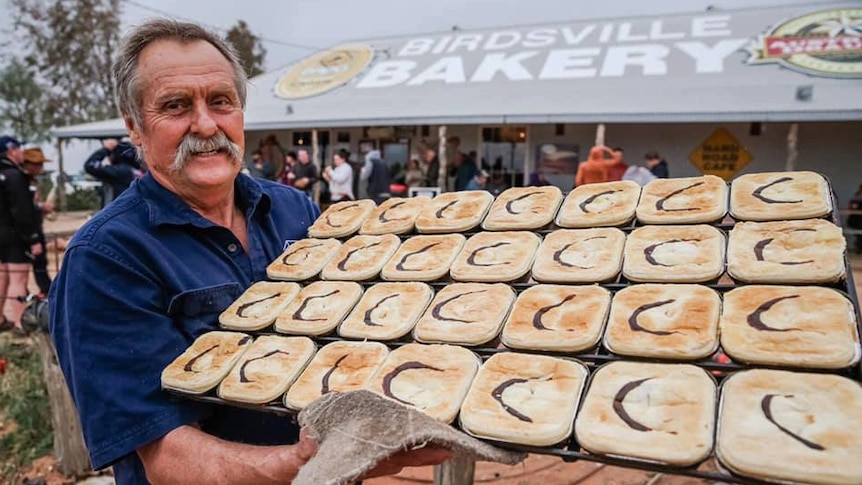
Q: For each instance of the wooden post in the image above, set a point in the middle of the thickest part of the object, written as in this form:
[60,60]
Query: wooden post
[600,135]
[315,159]
[792,154]
[457,471]
[528,157]
[61,178]
[441,156]
[69,448]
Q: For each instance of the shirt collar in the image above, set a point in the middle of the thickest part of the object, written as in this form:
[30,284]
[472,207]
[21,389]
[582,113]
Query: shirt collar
[167,208]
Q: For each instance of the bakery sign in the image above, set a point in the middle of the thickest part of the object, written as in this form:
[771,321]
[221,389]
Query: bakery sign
[827,43]
[720,154]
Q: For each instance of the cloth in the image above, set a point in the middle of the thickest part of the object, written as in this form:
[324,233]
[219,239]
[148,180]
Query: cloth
[19,219]
[357,430]
[616,170]
[474,184]
[638,174]
[660,170]
[341,184]
[379,180]
[432,172]
[139,282]
[116,169]
[308,171]
[465,173]
[15,253]
[593,170]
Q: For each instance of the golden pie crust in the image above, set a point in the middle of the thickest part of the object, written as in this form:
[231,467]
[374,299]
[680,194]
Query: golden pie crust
[688,200]
[342,219]
[599,205]
[523,208]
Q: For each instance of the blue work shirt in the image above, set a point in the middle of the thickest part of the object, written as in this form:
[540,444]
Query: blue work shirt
[140,281]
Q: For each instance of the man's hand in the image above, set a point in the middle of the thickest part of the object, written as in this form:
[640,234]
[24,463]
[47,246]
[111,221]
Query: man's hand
[402,459]
[36,249]
[301,183]
[47,207]
[109,144]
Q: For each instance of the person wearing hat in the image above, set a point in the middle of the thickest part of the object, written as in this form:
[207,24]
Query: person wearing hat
[19,232]
[34,165]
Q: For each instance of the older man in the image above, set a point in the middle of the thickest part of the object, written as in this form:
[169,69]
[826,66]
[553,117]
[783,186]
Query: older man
[147,275]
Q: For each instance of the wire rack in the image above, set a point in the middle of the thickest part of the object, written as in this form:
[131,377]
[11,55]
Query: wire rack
[569,450]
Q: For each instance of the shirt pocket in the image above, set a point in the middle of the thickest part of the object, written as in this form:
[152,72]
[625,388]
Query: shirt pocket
[196,311]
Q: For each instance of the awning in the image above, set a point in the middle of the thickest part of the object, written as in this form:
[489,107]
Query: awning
[791,63]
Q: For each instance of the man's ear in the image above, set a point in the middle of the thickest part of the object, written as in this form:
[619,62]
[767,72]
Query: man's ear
[134,132]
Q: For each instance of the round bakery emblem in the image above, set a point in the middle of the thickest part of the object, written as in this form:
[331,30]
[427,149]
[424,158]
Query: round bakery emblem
[826,43]
[323,71]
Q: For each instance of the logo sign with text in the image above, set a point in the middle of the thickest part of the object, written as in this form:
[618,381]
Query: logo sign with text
[323,71]
[721,155]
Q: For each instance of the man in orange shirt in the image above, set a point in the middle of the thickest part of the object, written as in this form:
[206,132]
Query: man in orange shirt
[616,166]
[594,169]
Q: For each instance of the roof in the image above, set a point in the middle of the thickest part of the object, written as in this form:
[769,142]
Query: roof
[789,63]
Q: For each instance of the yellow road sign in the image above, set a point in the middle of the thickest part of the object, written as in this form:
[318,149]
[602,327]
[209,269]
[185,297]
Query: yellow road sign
[721,154]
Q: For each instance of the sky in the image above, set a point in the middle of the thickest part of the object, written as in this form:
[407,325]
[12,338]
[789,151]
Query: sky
[293,29]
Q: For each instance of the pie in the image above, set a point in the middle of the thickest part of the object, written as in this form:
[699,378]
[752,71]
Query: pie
[524,399]
[790,426]
[597,205]
[775,196]
[387,311]
[683,200]
[674,254]
[258,306]
[303,260]
[265,371]
[807,326]
[557,318]
[495,257]
[664,321]
[432,378]
[465,313]
[342,219]
[580,256]
[807,251]
[319,308]
[394,216]
[206,362]
[658,412]
[423,258]
[523,208]
[340,367]
[361,258]
[454,212]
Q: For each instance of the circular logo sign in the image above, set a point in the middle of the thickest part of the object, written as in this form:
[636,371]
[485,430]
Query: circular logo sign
[826,43]
[323,71]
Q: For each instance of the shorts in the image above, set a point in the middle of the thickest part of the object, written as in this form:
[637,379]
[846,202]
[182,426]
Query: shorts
[14,253]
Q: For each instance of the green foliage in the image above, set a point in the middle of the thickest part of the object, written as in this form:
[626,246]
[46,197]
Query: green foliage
[24,401]
[21,103]
[248,47]
[68,46]
[83,200]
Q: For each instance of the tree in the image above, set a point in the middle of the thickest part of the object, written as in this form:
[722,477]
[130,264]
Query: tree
[21,103]
[248,46]
[68,45]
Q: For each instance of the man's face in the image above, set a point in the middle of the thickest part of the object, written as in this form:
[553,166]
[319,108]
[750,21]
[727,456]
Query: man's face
[303,157]
[652,162]
[618,154]
[429,155]
[16,154]
[32,169]
[189,101]
[110,144]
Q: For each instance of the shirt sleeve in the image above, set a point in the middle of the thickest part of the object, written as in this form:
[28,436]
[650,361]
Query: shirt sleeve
[113,338]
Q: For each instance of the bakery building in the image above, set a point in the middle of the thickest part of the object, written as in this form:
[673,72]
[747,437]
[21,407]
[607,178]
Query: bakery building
[717,92]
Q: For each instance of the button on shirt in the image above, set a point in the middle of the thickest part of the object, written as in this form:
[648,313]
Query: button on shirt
[139,282]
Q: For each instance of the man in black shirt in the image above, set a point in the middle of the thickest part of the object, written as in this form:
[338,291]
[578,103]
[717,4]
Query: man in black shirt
[306,172]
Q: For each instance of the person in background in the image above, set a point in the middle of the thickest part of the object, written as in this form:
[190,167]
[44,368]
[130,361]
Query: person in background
[288,175]
[638,174]
[260,168]
[305,173]
[432,167]
[854,220]
[340,177]
[19,233]
[656,164]
[478,182]
[272,155]
[616,166]
[413,176]
[594,169]
[465,170]
[34,165]
[116,165]
[537,179]
[376,174]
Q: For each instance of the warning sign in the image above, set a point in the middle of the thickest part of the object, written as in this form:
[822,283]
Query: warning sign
[721,155]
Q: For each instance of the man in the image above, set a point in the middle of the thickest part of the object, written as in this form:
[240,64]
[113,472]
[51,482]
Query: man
[260,168]
[19,232]
[616,166]
[432,167]
[34,165]
[594,169]
[150,273]
[656,165]
[305,175]
[115,165]
[478,182]
[375,173]
[288,175]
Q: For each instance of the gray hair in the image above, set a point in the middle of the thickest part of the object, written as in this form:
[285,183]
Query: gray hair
[126,82]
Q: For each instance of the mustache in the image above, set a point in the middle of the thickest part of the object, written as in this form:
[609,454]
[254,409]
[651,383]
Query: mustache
[192,145]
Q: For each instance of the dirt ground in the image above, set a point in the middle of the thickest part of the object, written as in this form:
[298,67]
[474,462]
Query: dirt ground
[537,469]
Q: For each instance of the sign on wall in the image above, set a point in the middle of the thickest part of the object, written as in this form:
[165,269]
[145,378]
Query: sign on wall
[720,154]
